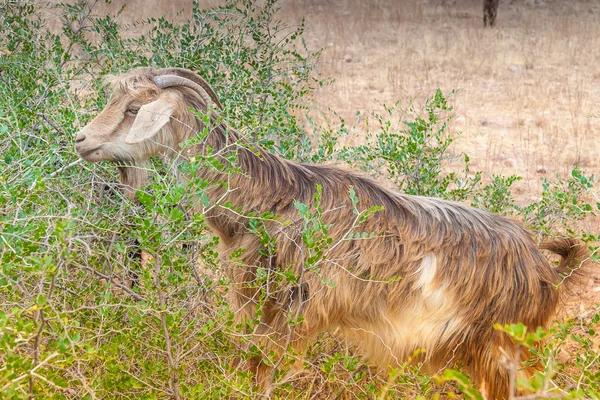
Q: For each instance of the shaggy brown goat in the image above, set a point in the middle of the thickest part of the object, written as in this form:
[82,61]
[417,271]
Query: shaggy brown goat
[490,11]
[435,275]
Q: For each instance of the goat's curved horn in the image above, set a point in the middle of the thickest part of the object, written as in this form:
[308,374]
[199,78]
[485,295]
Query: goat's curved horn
[167,81]
[192,76]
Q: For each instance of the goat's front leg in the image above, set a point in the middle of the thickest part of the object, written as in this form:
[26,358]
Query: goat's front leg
[273,337]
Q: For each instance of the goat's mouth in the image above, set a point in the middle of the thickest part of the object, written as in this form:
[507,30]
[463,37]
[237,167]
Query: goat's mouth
[88,155]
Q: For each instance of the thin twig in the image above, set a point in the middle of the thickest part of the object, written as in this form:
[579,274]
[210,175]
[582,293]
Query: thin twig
[38,335]
[114,282]
[61,169]
[163,319]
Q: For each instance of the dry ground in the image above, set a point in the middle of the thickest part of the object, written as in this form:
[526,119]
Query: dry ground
[526,87]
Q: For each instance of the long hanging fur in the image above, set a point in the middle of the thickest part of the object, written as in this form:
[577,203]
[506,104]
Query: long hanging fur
[436,275]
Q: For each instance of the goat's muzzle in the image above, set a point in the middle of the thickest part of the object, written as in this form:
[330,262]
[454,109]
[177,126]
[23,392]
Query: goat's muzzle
[86,150]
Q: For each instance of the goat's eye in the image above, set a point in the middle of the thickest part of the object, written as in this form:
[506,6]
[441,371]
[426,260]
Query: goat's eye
[132,111]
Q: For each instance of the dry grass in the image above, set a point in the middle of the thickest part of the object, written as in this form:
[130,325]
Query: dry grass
[526,87]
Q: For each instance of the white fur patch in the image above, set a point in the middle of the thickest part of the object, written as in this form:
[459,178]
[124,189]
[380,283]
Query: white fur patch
[427,271]
[426,321]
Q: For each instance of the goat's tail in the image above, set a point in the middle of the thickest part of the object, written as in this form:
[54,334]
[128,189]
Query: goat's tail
[574,259]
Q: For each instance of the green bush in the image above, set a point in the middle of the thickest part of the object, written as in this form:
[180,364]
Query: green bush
[84,315]
[412,147]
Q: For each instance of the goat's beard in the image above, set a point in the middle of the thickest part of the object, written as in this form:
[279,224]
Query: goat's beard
[132,177]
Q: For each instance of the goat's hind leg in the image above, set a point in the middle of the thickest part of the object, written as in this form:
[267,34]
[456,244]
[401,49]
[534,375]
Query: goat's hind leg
[495,367]
[493,379]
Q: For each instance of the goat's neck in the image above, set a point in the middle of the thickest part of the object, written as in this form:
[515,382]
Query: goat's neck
[265,183]
[132,177]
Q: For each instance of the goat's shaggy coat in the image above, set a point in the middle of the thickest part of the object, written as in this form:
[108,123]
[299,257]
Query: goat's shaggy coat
[436,275]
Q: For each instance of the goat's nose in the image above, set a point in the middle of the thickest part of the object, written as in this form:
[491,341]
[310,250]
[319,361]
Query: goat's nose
[79,138]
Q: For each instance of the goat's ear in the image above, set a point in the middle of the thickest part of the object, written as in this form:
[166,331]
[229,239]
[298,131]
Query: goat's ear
[150,119]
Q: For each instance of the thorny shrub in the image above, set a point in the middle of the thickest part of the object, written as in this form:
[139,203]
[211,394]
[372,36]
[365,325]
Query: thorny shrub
[84,313]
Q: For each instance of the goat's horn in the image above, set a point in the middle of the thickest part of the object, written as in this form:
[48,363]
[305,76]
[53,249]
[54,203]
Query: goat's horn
[167,81]
[192,76]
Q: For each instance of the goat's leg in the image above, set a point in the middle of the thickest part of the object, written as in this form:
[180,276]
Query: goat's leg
[492,378]
[494,367]
[273,337]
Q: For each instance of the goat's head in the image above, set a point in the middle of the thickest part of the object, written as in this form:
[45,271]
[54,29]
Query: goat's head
[147,114]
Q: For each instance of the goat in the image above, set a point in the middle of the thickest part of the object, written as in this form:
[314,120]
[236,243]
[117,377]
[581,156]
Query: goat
[490,11]
[435,274]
